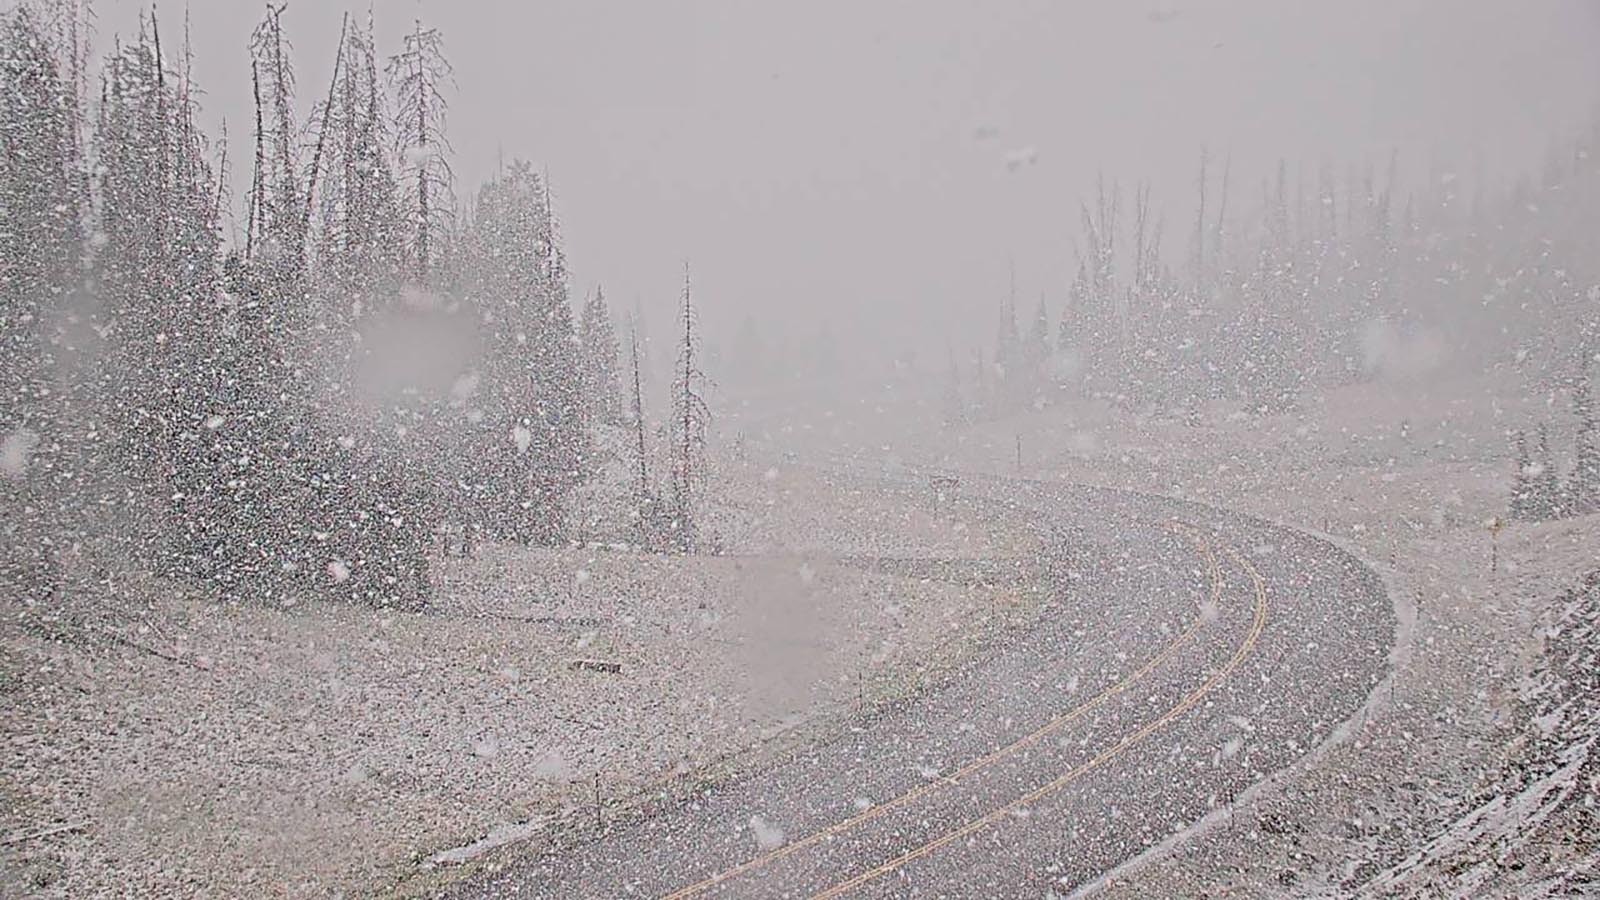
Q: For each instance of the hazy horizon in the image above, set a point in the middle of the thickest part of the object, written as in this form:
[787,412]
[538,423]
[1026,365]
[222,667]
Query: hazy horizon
[883,166]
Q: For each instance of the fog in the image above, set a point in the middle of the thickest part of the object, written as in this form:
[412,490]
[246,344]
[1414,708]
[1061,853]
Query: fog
[847,162]
[1009,449]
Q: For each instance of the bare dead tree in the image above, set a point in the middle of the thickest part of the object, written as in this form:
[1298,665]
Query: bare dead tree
[278,198]
[418,73]
[1222,207]
[257,175]
[638,409]
[321,116]
[691,418]
[1200,223]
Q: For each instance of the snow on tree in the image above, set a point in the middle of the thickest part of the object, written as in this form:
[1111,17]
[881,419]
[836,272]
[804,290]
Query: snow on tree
[602,395]
[1547,501]
[1584,486]
[360,230]
[516,280]
[691,418]
[1522,491]
[42,203]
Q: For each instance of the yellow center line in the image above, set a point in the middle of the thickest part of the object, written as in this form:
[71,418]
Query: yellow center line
[1056,724]
[1189,700]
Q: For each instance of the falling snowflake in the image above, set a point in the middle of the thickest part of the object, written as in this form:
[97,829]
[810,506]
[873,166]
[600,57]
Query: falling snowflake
[339,571]
[14,452]
[767,835]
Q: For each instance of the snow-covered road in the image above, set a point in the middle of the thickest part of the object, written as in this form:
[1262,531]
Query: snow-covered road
[1186,654]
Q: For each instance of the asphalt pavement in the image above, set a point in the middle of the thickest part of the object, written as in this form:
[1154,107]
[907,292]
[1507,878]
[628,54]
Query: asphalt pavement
[1184,654]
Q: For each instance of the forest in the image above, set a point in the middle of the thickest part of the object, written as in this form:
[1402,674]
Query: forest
[228,387]
[269,400]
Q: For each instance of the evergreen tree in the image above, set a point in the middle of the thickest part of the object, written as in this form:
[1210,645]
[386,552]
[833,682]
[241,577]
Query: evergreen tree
[1584,492]
[1522,489]
[1036,352]
[40,240]
[982,385]
[532,439]
[1547,502]
[157,269]
[601,391]
[41,205]
[1010,361]
[1099,309]
[245,483]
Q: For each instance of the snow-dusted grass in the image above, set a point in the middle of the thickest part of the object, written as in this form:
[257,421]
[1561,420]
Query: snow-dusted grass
[234,750]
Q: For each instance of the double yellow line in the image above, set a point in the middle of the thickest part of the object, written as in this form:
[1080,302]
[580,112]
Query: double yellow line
[1056,724]
[1257,625]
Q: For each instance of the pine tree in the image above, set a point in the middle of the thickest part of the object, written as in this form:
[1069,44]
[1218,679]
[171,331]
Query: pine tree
[224,442]
[1008,344]
[641,458]
[982,386]
[1584,492]
[157,268]
[363,229]
[532,438]
[1036,351]
[1522,490]
[41,204]
[1099,309]
[1198,241]
[1547,481]
[601,391]
[1068,337]
[691,418]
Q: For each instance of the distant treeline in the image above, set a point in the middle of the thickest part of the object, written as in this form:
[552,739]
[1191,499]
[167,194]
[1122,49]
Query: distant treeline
[1327,281]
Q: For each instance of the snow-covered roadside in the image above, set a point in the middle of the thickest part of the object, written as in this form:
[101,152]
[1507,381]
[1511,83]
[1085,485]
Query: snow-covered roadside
[1534,828]
[231,750]
[1406,476]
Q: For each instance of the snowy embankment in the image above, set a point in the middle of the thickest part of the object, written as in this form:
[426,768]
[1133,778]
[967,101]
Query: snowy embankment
[1421,793]
[1532,828]
[226,749]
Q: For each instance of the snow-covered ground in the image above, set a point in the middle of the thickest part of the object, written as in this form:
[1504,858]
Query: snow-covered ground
[231,749]
[235,750]
[1471,773]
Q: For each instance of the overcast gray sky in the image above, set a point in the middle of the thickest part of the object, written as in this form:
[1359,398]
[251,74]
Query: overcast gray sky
[847,159]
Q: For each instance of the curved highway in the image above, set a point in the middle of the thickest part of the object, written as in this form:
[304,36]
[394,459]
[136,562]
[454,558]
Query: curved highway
[1185,654]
